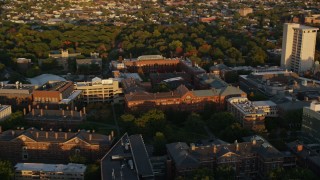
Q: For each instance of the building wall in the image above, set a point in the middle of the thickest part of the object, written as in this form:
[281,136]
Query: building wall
[287,42]
[101,93]
[20,150]
[298,47]
[311,123]
[5,112]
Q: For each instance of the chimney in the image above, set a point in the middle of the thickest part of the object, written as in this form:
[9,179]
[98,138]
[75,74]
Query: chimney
[62,112]
[37,134]
[32,112]
[254,141]
[56,135]
[46,106]
[24,111]
[237,145]
[306,98]
[110,138]
[193,146]
[41,112]
[90,136]
[69,130]
[84,110]
[76,108]
[38,106]
[214,149]
[29,107]
[112,133]
[299,147]
[13,132]
[67,107]
[71,113]
[120,59]
[65,135]
[41,129]
[47,134]
[80,113]
[0,129]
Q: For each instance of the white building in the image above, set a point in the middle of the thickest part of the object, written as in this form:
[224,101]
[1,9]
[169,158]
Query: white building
[25,171]
[298,47]
[100,90]
[5,112]
[247,113]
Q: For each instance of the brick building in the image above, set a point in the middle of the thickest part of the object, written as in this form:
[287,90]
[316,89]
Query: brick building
[53,92]
[252,159]
[33,145]
[151,64]
[181,99]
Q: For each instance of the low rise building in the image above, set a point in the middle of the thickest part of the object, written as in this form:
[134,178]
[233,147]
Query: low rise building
[100,90]
[249,115]
[147,64]
[311,121]
[49,171]
[60,118]
[181,99]
[127,159]
[245,11]
[89,61]
[18,95]
[53,92]
[33,145]
[62,57]
[5,112]
[254,158]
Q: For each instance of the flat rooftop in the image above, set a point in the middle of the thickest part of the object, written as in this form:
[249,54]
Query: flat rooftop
[69,168]
[53,86]
[127,159]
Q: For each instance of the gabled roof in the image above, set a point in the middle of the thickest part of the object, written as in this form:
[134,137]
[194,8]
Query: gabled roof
[55,137]
[180,153]
[230,90]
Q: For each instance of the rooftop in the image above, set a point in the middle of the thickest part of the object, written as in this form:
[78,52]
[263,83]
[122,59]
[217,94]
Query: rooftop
[128,159]
[3,107]
[69,168]
[43,78]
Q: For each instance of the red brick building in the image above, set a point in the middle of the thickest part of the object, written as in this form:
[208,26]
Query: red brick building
[33,145]
[181,99]
[53,92]
[151,64]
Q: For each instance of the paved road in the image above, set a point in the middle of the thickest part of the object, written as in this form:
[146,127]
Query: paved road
[115,119]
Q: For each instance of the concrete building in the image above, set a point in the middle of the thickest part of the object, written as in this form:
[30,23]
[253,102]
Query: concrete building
[311,121]
[252,159]
[127,159]
[298,47]
[5,112]
[249,115]
[25,171]
[279,82]
[245,11]
[48,146]
[100,90]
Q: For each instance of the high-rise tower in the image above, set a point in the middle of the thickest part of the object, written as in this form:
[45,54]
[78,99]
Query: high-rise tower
[298,47]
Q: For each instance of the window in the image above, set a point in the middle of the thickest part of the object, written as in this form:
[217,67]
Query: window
[25,156]
[77,151]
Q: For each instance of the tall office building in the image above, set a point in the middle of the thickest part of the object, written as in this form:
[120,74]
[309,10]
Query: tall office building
[298,47]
